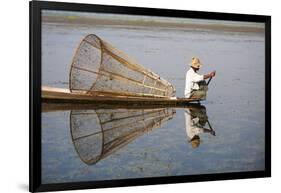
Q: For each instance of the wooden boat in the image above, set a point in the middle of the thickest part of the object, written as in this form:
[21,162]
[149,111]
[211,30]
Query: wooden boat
[62,95]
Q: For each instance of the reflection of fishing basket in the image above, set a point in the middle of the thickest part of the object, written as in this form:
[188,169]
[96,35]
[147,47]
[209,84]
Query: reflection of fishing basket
[98,133]
[100,69]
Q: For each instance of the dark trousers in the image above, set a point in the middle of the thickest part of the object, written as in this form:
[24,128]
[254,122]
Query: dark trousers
[201,93]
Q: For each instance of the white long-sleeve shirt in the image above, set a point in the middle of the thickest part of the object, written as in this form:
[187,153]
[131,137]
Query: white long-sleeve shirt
[191,81]
[190,125]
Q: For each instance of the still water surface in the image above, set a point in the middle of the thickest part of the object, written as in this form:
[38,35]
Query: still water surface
[76,148]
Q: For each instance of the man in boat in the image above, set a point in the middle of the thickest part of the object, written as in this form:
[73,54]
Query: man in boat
[195,86]
[194,126]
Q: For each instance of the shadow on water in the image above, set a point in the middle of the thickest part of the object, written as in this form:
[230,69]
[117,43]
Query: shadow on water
[99,132]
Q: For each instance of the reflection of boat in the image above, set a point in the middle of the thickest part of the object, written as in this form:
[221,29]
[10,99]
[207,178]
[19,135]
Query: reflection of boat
[98,133]
[196,120]
[49,107]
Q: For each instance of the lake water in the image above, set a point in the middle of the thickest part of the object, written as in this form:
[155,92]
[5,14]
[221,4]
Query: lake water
[235,107]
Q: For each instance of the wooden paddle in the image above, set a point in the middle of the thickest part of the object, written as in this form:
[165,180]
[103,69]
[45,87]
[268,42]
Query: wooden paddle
[209,80]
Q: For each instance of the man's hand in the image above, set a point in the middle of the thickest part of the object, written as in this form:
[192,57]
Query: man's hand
[212,74]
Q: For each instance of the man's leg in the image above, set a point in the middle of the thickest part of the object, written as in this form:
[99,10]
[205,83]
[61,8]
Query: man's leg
[201,93]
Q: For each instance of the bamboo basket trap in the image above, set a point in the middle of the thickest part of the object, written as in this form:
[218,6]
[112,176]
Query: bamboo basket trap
[98,68]
[98,133]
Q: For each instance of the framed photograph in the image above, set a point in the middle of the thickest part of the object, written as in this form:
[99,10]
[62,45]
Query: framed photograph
[126,96]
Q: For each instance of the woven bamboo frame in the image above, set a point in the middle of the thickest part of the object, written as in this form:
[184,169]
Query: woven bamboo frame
[99,133]
[99,68]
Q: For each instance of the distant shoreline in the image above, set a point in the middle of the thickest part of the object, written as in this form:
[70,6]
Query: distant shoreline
[110,22]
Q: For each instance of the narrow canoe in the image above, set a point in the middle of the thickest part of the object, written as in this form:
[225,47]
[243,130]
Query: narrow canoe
[61,95]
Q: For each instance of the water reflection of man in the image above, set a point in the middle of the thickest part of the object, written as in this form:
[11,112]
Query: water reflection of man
[194,128]
[193,79]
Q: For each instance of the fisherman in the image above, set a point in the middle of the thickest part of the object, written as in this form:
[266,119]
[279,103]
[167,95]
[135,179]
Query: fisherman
[193,79]
[194,128]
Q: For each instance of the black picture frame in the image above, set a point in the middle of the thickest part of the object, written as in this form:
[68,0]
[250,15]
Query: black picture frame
[35,8]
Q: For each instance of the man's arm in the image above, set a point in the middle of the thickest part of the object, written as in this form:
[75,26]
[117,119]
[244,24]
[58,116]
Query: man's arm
[211,131]
[211,74]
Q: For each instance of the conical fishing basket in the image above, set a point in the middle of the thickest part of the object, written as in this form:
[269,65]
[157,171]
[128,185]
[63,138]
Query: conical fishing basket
[100,69]
[99,133]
